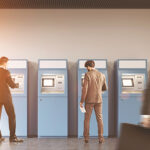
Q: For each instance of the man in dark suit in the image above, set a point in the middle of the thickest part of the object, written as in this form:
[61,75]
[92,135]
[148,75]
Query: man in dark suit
[6,99]
[146,106]
[94,84]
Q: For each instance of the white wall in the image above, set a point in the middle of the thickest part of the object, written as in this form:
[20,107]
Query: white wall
[73,34]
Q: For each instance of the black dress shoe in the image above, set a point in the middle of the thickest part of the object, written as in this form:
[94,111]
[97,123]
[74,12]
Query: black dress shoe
[15,139]
[2,139]
[86,141]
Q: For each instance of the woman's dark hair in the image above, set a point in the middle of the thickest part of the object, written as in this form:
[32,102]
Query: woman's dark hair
[3,60]
[89,63]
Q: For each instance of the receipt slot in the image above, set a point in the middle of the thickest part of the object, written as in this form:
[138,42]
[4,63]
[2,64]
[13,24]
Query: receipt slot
[52,98]
[19,74]
[100,65]
[131,76]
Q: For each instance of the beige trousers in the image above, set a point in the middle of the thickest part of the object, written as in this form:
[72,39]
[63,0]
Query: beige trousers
[98,112]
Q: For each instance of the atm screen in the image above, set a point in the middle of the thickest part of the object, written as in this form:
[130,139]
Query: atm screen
[127,82]
[47,82]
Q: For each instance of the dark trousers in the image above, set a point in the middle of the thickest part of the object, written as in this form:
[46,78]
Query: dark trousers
[9,107]
[98,111]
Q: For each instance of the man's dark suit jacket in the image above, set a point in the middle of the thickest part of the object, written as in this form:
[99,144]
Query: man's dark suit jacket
[146,100]
[5,82]
[94,84]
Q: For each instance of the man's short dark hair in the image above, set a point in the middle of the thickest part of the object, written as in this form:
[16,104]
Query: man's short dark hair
[3,60]
[90,63]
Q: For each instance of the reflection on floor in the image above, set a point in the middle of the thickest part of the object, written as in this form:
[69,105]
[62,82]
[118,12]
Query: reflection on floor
[59,144]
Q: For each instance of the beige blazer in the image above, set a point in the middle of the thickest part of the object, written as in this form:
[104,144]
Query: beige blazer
[94,84]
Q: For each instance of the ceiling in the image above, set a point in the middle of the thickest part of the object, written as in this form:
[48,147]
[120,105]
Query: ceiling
[49,4]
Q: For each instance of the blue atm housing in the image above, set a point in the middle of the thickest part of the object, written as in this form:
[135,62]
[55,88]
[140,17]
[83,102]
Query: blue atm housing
[52,107]
[129,102]
[19,97]
[93,122]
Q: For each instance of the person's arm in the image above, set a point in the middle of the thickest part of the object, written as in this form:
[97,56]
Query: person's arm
[10,82]
[84,90]
[104,87]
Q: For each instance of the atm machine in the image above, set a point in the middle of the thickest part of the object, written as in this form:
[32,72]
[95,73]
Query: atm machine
[101,65]
[52,98]
[131,81]
[19,73]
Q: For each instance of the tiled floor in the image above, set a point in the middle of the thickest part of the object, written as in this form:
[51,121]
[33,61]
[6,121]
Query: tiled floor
[59,144]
